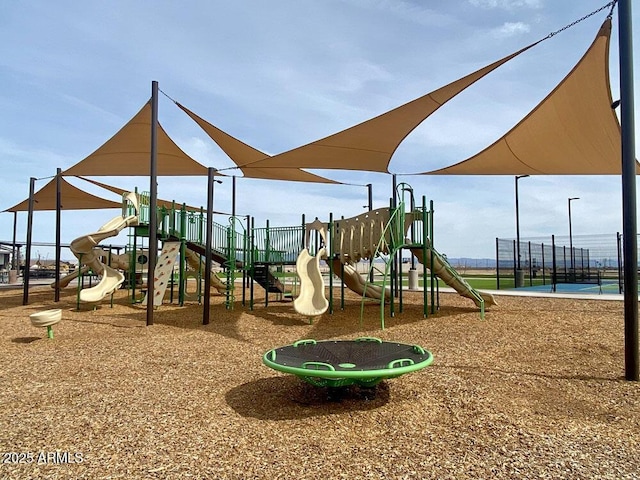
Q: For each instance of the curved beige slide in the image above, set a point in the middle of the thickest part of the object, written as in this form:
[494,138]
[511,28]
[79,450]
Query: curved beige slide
[311,301]
[86,253]
[356,282]
[110,281]
[442,269]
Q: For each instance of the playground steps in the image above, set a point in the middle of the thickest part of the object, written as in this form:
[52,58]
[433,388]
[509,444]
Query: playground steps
[216,256]
[263,276]
[163,271]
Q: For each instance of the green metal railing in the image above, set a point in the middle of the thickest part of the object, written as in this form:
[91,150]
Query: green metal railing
[241,250]
[277,244]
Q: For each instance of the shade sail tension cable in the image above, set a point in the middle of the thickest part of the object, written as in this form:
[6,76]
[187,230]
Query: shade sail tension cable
[610,15]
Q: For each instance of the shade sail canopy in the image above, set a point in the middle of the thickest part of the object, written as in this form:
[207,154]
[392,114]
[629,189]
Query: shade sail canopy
[242,154]
[573,131]
[128,153]
[71,198]
[161,203]
[286,174]
[370,145]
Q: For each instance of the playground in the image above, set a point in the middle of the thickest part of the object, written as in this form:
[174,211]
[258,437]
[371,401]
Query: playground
[536,390]
[234,350]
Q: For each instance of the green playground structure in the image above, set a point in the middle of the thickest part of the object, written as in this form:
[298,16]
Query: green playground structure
[267,256]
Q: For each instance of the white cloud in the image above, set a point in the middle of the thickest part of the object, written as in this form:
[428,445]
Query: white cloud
[507,4]
[509,29]
[408,11]
[22,157]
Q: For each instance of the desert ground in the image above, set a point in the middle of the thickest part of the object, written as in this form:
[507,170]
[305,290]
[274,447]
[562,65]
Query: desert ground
[536,390]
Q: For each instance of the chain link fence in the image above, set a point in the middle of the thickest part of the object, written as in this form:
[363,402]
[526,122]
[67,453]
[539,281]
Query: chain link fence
[559,259]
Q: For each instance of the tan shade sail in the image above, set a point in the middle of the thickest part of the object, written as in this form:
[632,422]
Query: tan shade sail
[370,145]
[71,198]
[128,153]
[287,174]
[243,154]
[161,203]
[573,131]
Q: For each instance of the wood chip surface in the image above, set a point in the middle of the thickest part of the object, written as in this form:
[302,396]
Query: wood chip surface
[536,390]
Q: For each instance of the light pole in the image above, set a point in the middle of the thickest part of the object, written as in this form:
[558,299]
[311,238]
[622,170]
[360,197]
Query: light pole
[518,177]
[570,233]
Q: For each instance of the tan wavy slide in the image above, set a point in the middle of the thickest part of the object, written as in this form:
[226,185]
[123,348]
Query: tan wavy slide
[442,269]
[311,300]
[356,282]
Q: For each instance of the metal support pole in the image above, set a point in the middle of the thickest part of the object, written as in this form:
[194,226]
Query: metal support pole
[56,295]
[554,267]
[518,177]
[435,302]
[620,269]
[425,239]
[497,264]
[27,260]
[252,252]
[233,196]
[246,259]
[571,256]
[394,260]
[629,221]
[370,207]
[543,267]
[208,244]
[515,264]
[530,265]
[330,232]
[15,261]
[153,204]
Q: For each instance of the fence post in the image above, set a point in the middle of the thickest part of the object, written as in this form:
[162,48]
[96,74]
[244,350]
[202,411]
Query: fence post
[543,266]
[497,264]
[620,275]
[515,265]
[554,268]
[530,265]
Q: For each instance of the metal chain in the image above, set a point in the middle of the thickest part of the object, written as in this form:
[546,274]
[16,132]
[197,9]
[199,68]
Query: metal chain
[610,4]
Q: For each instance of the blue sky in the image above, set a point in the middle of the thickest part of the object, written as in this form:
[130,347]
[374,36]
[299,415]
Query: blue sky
[280,74]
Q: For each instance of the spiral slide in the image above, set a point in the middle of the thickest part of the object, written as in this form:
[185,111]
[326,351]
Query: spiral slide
[84,248]
[86,251]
